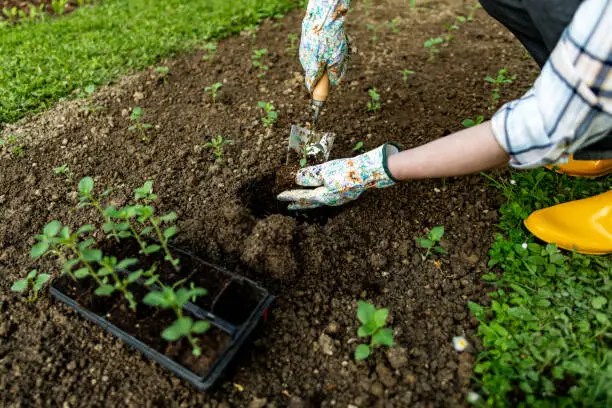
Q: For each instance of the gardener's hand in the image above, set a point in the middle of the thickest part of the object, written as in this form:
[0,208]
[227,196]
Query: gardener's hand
[324,45]
[340,181]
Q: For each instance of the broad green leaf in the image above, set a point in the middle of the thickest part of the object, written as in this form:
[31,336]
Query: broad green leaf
[52,228]
[362,352]
[436,233]
[134,276]
[86,185]
[200,327]
[104,290]
[477,310]
[424,242]
[92,255]
[32,274]
[155,298]
[86,244]
[365,312]
[151,280]
[39,249]
[68,265]
[20,285]
[41,280]
[85,229]
[170,232]
[365,331]
[380,317]
[384,337]
[81,273]
[602,318]
[126,263]
[598,302]
[181,327]
[440,250]
[151,249]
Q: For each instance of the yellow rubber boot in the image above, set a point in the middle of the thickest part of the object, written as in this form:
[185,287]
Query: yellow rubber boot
[585,168]
[583,225]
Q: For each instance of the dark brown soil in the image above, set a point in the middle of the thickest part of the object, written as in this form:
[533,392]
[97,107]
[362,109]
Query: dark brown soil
[318,267]
[24,5]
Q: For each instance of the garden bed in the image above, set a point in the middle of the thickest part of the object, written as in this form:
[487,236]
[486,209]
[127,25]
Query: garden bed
[317,264]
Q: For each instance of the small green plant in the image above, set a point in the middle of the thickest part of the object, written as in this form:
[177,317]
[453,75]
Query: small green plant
[11,14]
[500,80]
[210,50]
[64,170]
[358,146]
[372,325]
[472,10]
[374,102]
[12,146]
[394,25]
[136,117]
[449,28]
[271,115]
[251,31]
[162,74]
[292,48]
[35,280]
[59,6]
[216,145]
[258,61]
[473,122]
[374,37]
[406,73]
[432,45]
[87,92]
[431,242]
[212,91]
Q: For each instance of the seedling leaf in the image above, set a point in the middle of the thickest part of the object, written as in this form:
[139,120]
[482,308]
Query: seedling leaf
[384,337]
[104,290]
[20,285]
[86,185]
[436,233]
[365,312]
[362,352]
[39,249]
[200,327]
[181,327]
[380,317]
[52,228]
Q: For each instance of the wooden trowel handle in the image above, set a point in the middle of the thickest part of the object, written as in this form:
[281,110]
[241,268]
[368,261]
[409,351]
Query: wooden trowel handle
[321,89]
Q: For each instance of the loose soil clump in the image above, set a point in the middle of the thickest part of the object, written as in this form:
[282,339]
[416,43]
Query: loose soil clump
[318,266]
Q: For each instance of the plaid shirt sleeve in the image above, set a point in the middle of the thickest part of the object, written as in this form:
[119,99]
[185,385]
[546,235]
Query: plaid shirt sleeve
[570,104]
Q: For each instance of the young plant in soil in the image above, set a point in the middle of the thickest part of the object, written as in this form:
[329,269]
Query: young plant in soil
[271,115]
[35,280]
[292,48]
[449,28]
[394,25]
[136,117]
[212,91]
[14,148]
[406,73]
[432,45]
[500,80]
[86,93]
[431,242]
[374,102]
[210,50]
[374,30]
[258,61]
[358,146]
[216,145]
[64,170]
[59,6]
[372,325]
[162,74]
[472,122]
[251,31]
[472,10]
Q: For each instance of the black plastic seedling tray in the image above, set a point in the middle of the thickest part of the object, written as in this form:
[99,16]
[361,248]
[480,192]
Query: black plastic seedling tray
[219,309]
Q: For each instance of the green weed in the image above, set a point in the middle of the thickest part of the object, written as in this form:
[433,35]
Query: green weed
[372,325]
[162,74]
[136,118]
[500,80]
[432,45]
[431,242]
[406,73]
[258,61]
[212,91]
[374,102]
[271,115]
[210,50]
[292,48]
[472,122]
[64,170]
[216,145]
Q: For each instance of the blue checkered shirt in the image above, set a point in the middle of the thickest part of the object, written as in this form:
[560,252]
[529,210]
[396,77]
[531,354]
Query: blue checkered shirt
[570,104]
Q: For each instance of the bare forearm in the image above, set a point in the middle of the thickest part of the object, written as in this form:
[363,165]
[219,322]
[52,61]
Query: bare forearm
[465,152]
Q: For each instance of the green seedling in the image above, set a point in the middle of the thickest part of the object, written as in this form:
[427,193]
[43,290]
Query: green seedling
[461,19]
[212,91]
[431,242]
[500,80]
[412,3]
[278,24]
[271,115]
[216,145]
[472,10]
[406,73]
[87,92]
[372,325]
[183,326]
[251,31]
[394,25]
[59,6]
[470,123]
[374,30]
[11,14]
[136,117]
[257,59]
[35,280]
[14,148]
[449,28]
[210,50]
[162,74]
[358,147]
[432,45]
[292,48]
[374,102]
[64,170]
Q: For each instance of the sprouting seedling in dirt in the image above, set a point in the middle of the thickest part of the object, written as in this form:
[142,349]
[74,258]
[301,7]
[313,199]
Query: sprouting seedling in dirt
[64,170]
[431,242]
[292,48]
[212,91]
[500,80]
[449,28]
[394,25]
[136,117]
[13,147]
[472,10]
[88,198]
[278,24]
[216,145]
[162,73]
[472,122]
[271,115]
[374,30]
[461,19]
[35,280]
[210,50]
[252,32]
[87,92]
[432,45]
[59,6]
[257,59]
[171,298]
[374,102]
[406,73]
[358,146]
[372,325]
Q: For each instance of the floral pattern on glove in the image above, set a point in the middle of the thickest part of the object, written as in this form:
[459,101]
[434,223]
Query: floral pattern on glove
[324,45]
[340,181]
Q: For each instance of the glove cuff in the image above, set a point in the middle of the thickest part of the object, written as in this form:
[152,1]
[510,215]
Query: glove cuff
[389,149]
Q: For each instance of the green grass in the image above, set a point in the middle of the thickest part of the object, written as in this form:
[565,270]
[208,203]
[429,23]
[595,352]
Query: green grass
[547,334]
[43,62]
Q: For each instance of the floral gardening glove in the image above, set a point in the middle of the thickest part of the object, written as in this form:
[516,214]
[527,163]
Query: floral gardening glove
[324,45]
[340,181]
